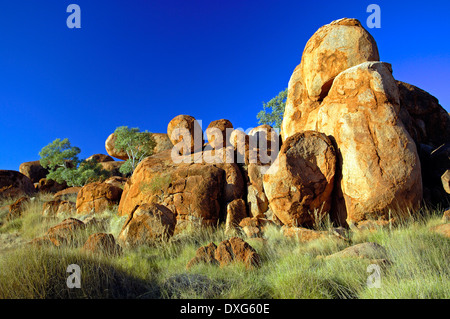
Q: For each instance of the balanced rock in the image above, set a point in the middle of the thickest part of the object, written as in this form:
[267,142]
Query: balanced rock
[301,180]
[186,134]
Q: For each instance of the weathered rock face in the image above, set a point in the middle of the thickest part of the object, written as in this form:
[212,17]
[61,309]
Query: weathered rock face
[334,48]
[14,184]
[236,211]
[194,192]
[186,134]
[100,158]
[301,179]
[96,197]
[33,170]
[380,168]
[148,224]
[216,133]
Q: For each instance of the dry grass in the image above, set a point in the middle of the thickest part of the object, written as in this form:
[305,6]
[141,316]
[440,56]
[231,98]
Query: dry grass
[289,269]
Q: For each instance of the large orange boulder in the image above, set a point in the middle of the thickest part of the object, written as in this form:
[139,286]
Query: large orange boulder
[300,182]
[380,168]
[148,224]
[97,197]
[14,184]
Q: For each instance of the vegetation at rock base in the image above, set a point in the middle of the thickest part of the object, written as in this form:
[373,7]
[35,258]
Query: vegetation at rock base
[276,106]
[289,269]
[138,145]
[61,159]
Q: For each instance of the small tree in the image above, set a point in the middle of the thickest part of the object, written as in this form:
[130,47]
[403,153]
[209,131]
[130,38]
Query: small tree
[138,145]
[59,154]
[61,159]
[275,117]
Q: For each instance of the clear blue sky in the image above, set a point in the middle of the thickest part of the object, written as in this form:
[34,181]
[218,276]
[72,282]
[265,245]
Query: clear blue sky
[141,63]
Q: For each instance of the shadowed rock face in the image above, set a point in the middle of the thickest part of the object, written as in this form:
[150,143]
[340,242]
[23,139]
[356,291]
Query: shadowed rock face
[14,184]
[33,170]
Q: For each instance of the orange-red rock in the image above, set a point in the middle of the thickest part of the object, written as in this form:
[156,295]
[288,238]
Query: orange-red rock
[301,180]
[97,197]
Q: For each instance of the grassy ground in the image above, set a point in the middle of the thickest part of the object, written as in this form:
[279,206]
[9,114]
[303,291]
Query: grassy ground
[289,269]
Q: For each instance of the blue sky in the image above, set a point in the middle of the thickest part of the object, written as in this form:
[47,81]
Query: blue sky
[141,63]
